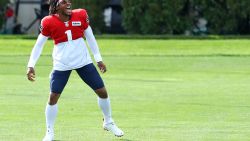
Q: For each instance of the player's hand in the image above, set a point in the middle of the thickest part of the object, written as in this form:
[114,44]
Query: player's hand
[102,66]
[31,74]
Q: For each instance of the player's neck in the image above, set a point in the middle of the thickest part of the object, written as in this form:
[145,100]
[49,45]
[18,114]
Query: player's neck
[62,17]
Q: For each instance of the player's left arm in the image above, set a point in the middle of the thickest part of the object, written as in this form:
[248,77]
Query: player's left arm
[94,48]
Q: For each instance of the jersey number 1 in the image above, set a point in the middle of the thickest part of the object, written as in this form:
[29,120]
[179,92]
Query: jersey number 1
[69,35]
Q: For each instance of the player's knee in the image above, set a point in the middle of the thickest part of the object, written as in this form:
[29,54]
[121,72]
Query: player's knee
[53,98]
[102,92]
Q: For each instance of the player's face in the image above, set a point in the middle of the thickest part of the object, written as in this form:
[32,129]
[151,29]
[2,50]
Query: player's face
[64,7]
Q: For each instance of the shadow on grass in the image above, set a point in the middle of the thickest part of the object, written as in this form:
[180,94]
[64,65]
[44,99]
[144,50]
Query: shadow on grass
[119,139]
[126,140]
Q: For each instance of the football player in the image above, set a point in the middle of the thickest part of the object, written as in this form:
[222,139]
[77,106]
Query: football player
[67,28]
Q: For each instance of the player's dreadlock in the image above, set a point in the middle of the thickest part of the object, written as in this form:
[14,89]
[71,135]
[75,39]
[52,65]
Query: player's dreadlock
[52,6]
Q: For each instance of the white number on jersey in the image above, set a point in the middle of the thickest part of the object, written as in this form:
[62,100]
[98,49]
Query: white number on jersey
[69,35]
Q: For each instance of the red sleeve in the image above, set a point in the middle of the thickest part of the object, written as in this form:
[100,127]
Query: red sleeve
[85,18]
[44,28]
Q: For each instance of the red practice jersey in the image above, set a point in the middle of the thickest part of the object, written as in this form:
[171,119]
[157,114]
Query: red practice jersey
[59,31]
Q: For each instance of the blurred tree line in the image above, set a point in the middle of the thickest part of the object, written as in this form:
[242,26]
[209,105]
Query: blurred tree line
[170,16]
[179,16]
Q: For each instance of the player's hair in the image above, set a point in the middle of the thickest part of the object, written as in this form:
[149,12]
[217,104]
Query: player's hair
[52,6]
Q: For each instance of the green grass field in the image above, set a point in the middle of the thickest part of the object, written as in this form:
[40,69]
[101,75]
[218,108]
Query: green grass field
[161,90]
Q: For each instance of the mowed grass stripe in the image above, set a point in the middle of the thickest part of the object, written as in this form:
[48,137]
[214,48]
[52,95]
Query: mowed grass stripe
[160,90]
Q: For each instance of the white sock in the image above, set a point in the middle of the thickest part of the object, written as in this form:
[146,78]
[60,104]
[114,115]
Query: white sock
[50,114]
[104,104]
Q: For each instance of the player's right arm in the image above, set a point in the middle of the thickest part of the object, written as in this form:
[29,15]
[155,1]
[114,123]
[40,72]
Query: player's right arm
[35,54]
[38,47]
